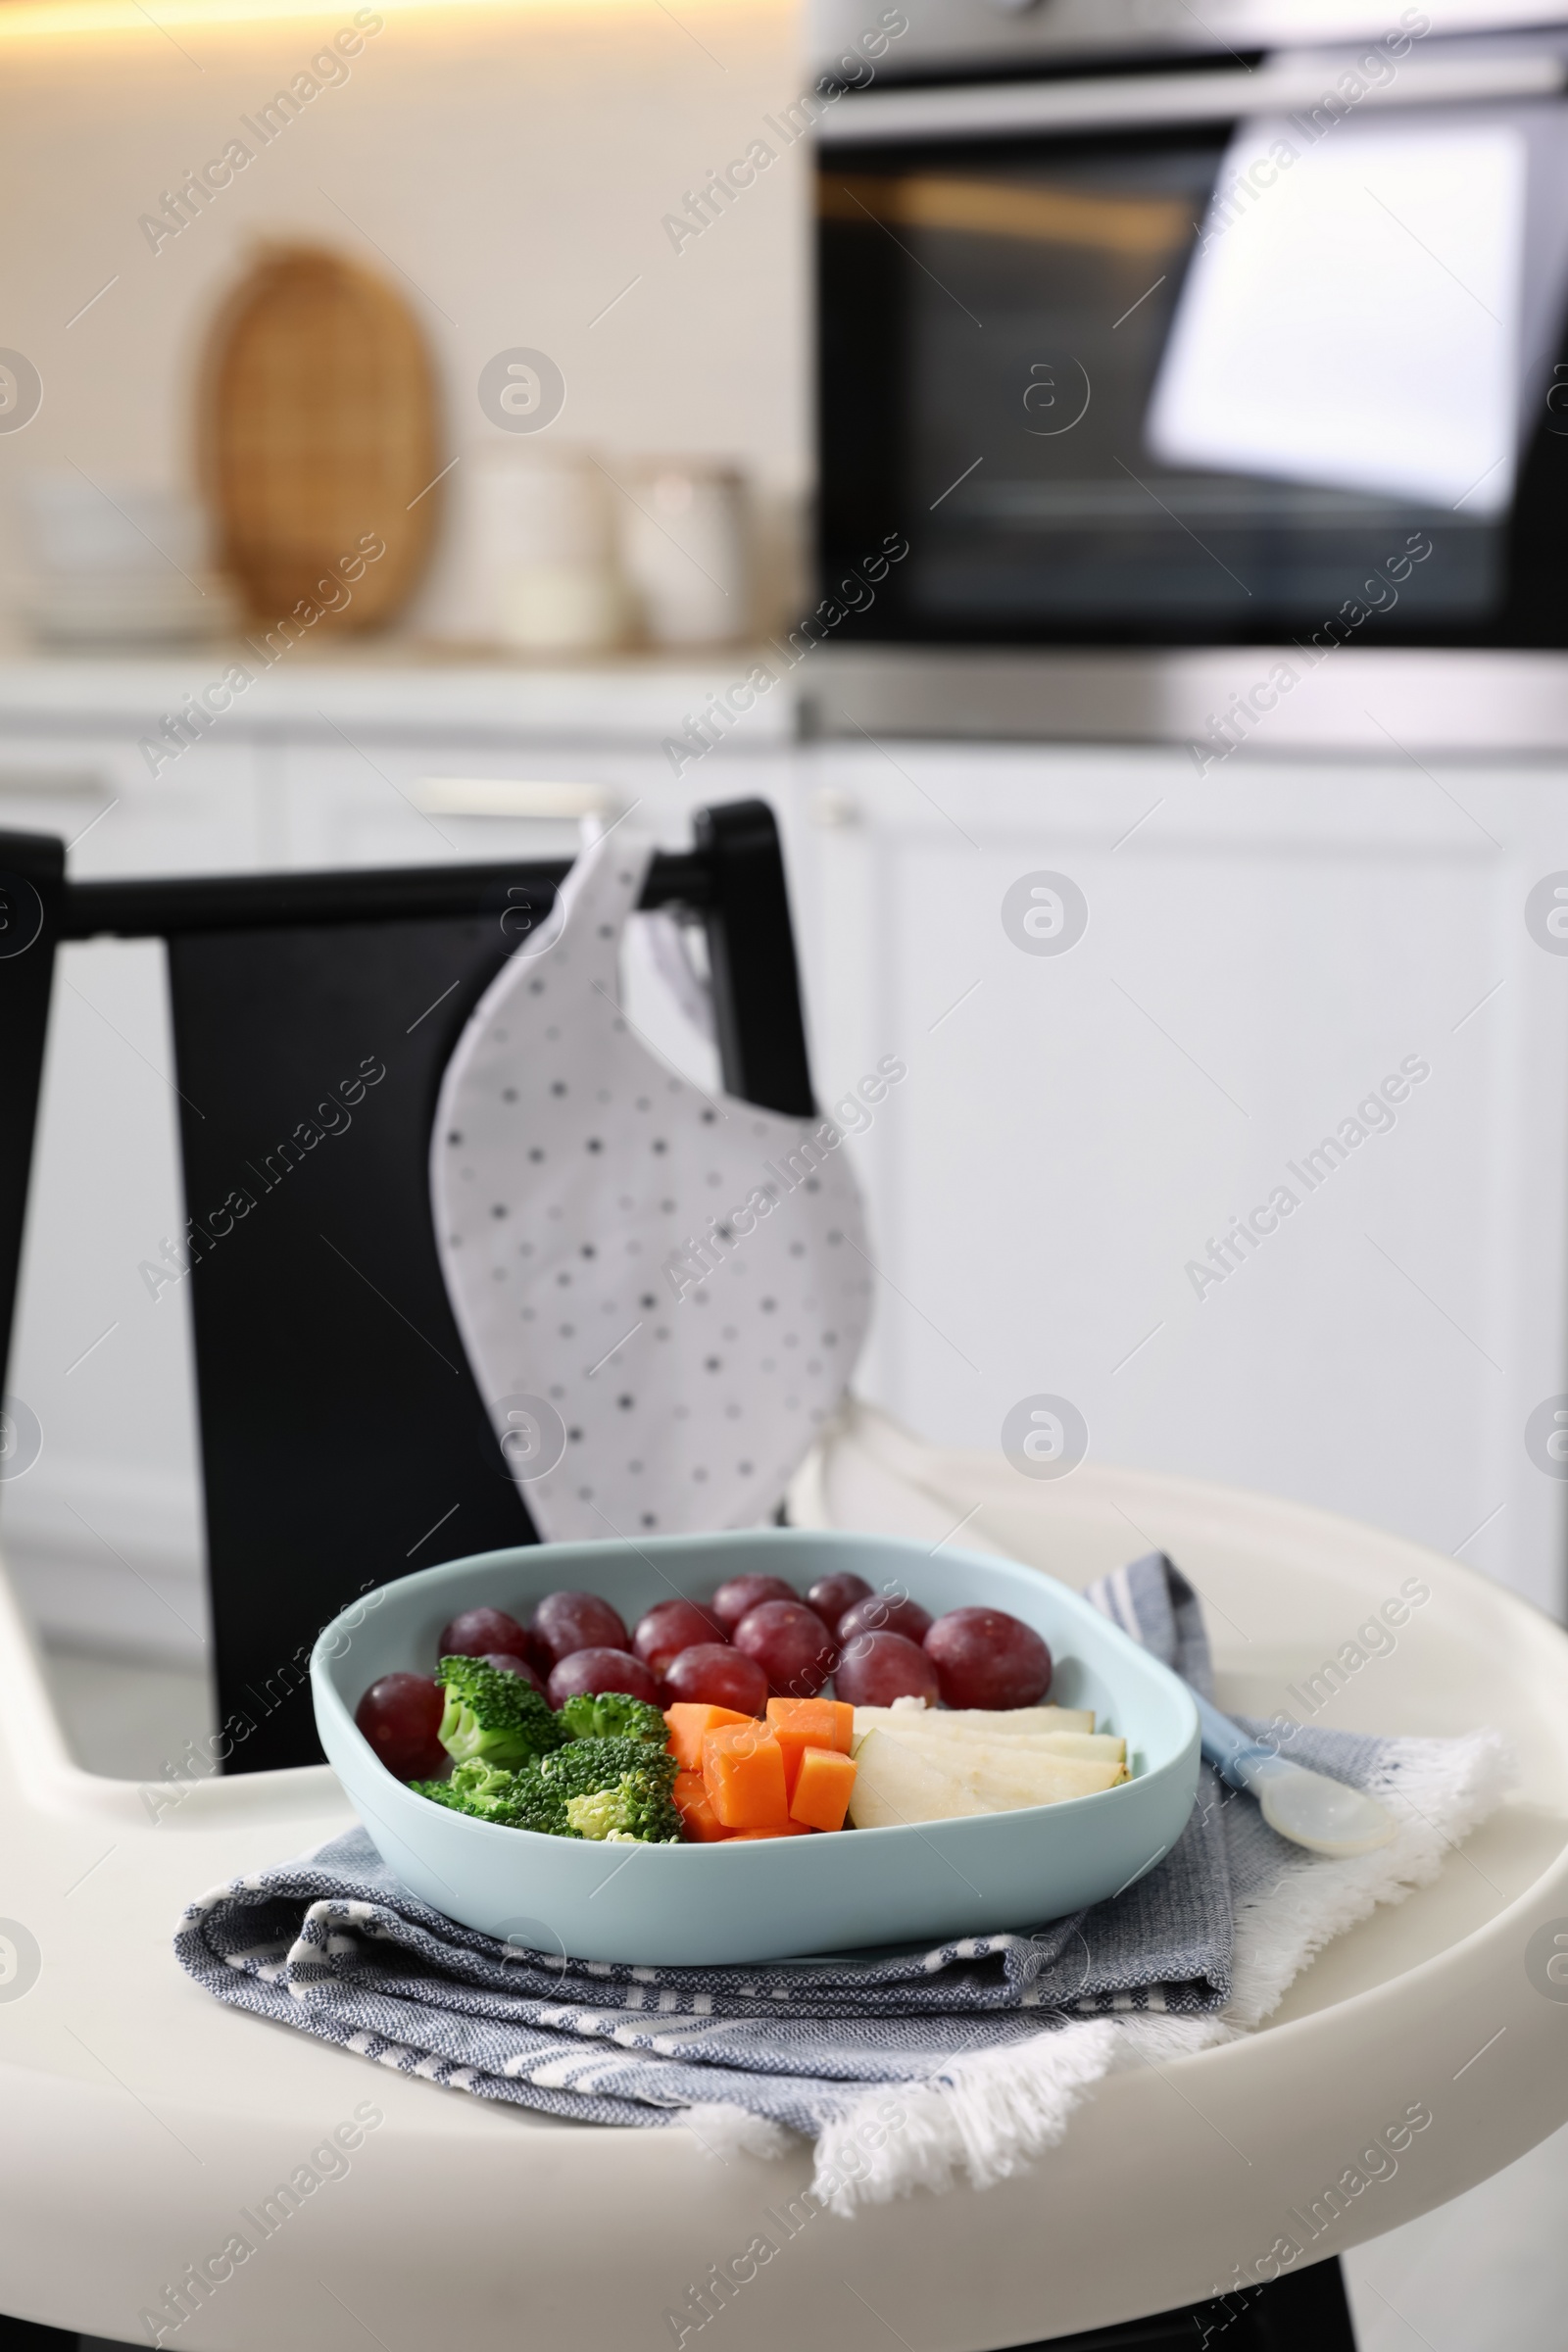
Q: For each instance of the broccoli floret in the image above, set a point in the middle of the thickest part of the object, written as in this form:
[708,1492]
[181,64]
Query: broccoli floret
[616,1788]
[519,1800]
[585,1766]
[635,1812]
[614,1715]
[528,1804]
[474,1788]
[494,1716]
[488,1789]
[439,1792]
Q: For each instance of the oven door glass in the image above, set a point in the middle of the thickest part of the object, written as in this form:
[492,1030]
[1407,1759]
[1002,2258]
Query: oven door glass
[995,321]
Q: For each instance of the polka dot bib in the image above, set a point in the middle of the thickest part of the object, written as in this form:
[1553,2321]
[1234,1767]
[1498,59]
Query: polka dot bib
[661,1294]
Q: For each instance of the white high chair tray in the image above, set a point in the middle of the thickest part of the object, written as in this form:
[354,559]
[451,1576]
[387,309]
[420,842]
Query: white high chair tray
[141,2116]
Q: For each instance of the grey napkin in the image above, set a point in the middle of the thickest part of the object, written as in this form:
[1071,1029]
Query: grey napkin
[332,1945]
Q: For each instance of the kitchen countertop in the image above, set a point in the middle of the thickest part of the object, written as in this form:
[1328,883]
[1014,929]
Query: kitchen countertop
[392,682]
[1275,701]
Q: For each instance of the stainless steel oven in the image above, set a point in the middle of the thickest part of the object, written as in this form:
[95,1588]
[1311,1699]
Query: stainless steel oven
[1146,325]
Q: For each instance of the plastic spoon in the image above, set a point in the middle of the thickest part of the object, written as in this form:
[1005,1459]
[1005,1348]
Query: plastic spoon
[1307,1807]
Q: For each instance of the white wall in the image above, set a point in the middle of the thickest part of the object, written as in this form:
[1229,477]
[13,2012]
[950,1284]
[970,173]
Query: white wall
[516,163]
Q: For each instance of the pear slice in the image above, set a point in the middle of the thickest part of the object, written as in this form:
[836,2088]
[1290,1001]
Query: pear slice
[899,1779]
[1013,1723]
[894,1783]
[1004,1774]
[1090,1747]
[1003,1792]
[996,1722]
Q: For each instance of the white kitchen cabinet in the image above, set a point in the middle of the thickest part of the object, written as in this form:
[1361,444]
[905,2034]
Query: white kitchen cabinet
[106,1525]
[93,788]
[1077,1128]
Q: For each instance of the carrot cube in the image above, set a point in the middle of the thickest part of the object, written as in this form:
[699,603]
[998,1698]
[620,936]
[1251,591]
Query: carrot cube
[822,1788]
[813,1722]
[782,1829]
[743,1769]
[688,1719]
[698,1818]
[797,1723]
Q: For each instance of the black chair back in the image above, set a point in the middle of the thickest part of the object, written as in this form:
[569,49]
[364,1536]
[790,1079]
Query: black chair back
[343,1439]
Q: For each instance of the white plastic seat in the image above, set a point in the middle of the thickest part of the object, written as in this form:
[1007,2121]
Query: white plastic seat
[141,2117]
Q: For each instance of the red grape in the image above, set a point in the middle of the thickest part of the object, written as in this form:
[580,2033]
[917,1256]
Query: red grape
[792,1646]
[400,1716]
[504,1662]
[565,1622]
[878,1668]
[596,1670]
[668,1627]
[885,1613]
[742,1594]
[985,1658]
[477,1632]
[831,1596]
[714,1674]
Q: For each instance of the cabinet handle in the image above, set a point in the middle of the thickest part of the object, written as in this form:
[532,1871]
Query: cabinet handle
[49,783]
[515,796]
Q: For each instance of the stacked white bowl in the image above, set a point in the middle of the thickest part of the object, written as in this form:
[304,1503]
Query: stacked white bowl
[116,566]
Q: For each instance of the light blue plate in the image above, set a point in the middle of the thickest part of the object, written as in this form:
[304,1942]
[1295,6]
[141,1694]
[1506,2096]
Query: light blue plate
[701,1904]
